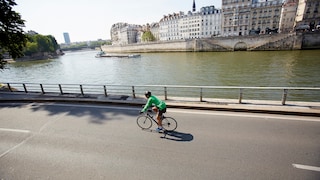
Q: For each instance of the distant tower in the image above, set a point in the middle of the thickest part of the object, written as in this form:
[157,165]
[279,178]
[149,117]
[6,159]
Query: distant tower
[194,6]
[66,38]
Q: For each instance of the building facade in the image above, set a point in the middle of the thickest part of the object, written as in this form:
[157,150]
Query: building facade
[288,14]
[66,38]
[177,26]
[129,34]
[124,33]
[236,15]
[202,24]
[115,32]
[169,27]
[189,25]
[308,13]
[235,18]
[265,16]
[210,22]
[154,28]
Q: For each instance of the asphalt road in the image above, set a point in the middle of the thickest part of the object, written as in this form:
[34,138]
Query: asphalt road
[67,141]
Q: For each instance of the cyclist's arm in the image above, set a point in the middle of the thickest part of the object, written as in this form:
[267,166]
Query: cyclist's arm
[148,104]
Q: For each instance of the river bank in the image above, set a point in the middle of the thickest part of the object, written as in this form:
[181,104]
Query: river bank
[291,41]
[41,56]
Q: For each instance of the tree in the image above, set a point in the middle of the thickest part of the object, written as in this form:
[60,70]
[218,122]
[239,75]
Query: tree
[44,43]
[31,48]
[12,37]
[148,36]
[54,42]
[40,44]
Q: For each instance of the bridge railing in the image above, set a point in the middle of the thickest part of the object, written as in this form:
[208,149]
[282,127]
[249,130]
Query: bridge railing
[171,91]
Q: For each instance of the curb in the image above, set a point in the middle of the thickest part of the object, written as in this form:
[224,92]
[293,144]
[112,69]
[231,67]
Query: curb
[174,104]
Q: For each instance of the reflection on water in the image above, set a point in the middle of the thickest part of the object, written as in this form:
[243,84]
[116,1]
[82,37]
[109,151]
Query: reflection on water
[266,68]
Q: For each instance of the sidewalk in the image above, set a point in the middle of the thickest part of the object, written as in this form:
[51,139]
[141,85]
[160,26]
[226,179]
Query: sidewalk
[256,106]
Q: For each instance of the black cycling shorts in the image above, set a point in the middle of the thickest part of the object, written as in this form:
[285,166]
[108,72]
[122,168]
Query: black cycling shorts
[162,111]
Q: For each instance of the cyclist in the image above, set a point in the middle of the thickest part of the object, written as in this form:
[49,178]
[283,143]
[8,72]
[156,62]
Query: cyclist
[160,107]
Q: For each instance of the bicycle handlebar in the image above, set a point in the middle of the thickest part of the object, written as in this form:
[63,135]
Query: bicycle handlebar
[148,111]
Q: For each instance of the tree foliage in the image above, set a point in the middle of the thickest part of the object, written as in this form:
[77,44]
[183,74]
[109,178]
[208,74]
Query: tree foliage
[39,44]
[148,36]
[31,48]
[83,45]
[12,37]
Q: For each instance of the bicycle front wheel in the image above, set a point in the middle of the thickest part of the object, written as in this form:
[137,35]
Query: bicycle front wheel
[169,124]
[144,122]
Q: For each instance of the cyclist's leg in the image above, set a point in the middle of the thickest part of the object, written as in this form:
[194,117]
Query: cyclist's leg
[156,110]
[160,115]
[159,122]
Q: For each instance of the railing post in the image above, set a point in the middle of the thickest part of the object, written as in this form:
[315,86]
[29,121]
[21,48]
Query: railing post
[133,92]
[25,88]
[165,93]
[42,90]
[81,90]
[201,95]
[240,95]
[9,87]
[284,96]
[105,90]
[61,92]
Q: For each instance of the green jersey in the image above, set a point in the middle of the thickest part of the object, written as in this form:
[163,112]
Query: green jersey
[153,100]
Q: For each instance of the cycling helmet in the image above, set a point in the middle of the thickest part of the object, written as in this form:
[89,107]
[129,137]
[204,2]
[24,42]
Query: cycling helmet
[147,93]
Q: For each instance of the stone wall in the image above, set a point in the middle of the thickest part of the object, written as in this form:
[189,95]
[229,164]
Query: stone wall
[293,41]
[311,40]
[290,42]
[169,46]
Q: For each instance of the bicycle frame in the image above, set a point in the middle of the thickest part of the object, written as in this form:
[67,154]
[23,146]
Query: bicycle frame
[168,123]
[150,116]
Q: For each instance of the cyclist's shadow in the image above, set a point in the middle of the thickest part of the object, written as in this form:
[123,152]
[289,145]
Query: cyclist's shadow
[177,136]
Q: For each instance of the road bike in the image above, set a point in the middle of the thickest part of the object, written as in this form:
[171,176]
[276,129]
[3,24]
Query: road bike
[146,120]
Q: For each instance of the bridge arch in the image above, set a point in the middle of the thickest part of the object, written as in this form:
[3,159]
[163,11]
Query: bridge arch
[240,46]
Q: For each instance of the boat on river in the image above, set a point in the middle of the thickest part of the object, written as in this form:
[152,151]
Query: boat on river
[102,54]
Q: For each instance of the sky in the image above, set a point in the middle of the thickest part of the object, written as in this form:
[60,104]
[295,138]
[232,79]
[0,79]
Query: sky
[87,20]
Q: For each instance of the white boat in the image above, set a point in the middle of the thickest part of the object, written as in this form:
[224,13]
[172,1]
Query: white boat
[103,54]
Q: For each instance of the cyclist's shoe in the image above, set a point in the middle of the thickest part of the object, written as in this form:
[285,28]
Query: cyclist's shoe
[159,129]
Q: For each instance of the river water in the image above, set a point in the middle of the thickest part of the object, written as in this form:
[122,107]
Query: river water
[265,68]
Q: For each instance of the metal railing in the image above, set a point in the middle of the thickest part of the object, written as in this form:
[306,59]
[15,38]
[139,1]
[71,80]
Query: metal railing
[168,91]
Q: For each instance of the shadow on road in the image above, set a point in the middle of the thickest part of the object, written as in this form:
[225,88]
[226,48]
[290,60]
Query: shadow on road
[178,136]
[97,114]
[173,135]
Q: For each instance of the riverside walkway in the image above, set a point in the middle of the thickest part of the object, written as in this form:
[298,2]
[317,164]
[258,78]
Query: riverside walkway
[254,106]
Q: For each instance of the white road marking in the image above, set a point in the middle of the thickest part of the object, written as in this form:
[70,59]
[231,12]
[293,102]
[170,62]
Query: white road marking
[15,130]
[305,167]
[16,146]
[25,140]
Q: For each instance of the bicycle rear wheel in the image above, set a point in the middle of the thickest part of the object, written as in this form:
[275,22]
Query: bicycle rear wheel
[169,124]
[144,122]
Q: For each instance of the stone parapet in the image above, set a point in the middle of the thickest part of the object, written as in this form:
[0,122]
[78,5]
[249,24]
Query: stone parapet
[293,41]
